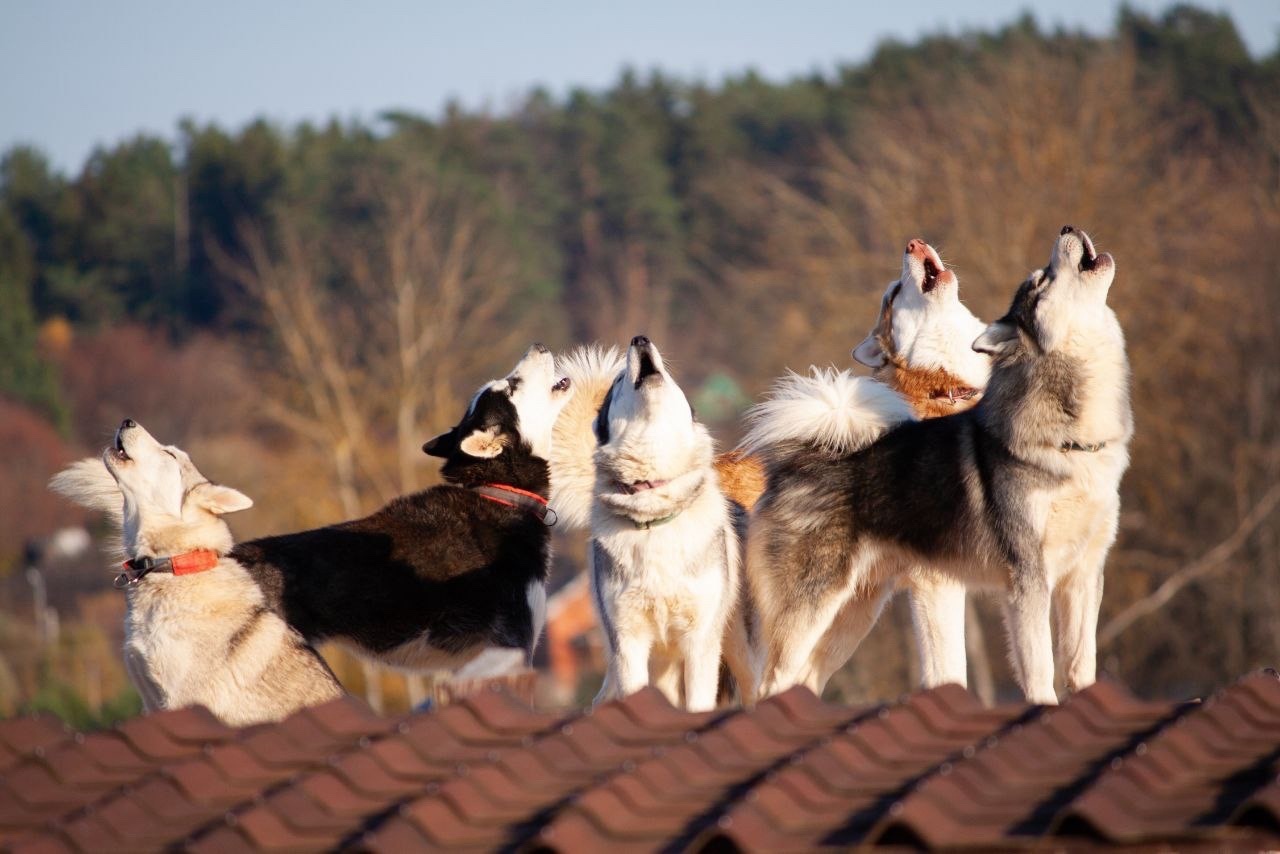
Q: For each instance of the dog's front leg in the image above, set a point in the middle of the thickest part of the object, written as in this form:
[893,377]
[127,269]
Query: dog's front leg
[702,673]
[629,669]
[1076,600]
[937,615]
[135,665]
[1030,636]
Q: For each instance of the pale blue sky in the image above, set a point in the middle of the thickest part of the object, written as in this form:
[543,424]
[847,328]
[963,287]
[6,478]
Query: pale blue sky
[78,74]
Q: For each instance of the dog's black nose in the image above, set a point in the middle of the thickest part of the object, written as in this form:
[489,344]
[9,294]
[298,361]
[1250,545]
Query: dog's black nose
[1066,229]
[539,347]
[127,423]
[640,341]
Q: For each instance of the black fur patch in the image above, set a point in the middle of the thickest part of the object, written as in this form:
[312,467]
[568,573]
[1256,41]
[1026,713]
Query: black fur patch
[601,424]
[602,565]
[446,563]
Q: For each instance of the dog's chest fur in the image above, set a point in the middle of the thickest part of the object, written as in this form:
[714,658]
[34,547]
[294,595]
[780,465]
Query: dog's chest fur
[670,578]
[184,628]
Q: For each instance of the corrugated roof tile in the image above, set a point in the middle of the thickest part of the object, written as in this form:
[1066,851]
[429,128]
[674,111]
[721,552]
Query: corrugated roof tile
[933,768]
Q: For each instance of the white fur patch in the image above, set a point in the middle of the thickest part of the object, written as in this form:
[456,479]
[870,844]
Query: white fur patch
[591,370]
[88,483]
[832,410]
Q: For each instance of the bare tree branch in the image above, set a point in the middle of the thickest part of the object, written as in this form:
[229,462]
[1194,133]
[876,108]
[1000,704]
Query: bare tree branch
[1208,563]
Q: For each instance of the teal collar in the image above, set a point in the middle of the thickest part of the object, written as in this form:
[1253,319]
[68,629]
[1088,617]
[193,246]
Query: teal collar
[653,523]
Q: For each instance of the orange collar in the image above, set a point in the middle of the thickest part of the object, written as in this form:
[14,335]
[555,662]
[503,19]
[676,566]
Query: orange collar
[521,499]
[187,563]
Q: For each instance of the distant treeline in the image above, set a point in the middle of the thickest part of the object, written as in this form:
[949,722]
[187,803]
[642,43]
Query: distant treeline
[593,190]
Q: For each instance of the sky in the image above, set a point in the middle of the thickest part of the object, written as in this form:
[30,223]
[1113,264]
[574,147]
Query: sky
[76,75]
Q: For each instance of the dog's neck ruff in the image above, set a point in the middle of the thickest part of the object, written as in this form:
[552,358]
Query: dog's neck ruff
[521,499]
[187,563]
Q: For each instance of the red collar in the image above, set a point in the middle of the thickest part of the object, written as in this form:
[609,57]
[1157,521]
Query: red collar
[187,563]
[521,499]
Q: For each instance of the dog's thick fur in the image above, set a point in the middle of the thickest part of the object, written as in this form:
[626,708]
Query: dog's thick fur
[445,578]
[922,347]
[208,638]
[664,545]
[1021,491]
[573,470]
[922,343]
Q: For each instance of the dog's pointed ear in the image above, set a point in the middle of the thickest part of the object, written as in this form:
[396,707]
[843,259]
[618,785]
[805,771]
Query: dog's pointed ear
[869,352]
[997,339]
[220,500]
[484,444]
[443,445]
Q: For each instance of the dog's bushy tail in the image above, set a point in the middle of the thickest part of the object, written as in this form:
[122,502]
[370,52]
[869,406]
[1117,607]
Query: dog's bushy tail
[591,370]
[88,483]
[829,411]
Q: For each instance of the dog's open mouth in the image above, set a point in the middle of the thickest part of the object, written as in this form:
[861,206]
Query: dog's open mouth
[1089,259]
[931,274]
[641,485]
[118,450]
[647,367]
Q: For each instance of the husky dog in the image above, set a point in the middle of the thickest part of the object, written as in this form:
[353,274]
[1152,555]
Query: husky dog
[573,469]
[922,343]
[198,628]
[1022,491]
[664,549]
[922,347]
[447,578]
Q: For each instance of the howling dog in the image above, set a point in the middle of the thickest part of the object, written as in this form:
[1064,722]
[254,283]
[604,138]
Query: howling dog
[453,577]
[664,547]
[1020,492]
[198,628]
[922,347]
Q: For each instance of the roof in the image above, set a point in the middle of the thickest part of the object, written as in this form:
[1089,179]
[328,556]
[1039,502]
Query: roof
[933,769]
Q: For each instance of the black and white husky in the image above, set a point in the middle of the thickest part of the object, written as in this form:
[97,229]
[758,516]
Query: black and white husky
[452,577]
[1021,492]
[664,547]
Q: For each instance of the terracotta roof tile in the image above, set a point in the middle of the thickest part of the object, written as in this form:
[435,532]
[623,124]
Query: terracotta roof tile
[932,769]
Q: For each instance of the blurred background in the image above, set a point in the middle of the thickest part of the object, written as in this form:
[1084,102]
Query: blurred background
[293,239]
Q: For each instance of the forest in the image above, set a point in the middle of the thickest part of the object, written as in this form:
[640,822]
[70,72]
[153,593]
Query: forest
[300,307]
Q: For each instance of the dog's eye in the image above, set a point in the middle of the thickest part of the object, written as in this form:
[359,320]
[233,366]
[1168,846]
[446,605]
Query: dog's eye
[561,384]
[169,452]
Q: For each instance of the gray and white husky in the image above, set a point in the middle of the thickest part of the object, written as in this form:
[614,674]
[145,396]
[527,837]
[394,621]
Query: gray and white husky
[1020,492]
[198,628]
[664,548]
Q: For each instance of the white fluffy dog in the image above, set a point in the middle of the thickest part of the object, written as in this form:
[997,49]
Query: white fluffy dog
[664,550]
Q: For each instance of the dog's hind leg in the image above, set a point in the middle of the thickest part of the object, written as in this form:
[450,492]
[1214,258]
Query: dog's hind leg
[937,615]
[847,631]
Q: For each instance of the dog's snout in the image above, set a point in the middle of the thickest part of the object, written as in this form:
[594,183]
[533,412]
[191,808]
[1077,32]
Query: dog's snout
[1066,229]
[640,341]
[127,423]
[914,246]
[539,347]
